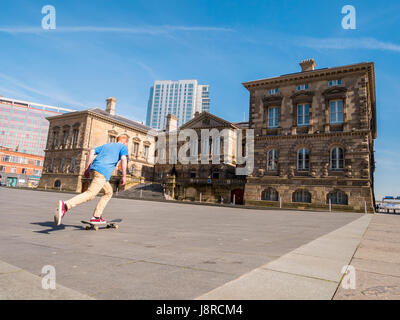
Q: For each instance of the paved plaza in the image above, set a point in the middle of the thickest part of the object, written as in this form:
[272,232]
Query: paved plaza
[166,250]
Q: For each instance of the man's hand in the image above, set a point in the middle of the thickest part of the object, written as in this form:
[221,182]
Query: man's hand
[123,181]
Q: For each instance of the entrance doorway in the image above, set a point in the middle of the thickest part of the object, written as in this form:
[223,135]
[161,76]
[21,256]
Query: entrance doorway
[237,195]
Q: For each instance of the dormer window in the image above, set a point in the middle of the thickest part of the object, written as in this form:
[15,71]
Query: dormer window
[301,87]
[333,83]
[273,91]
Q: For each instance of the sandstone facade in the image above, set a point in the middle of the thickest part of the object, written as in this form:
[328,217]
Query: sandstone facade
[72,135]
[321,126]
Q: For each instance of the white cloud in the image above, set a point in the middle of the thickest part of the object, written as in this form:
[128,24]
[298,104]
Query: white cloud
[151,30]
[17,87]
[347,43]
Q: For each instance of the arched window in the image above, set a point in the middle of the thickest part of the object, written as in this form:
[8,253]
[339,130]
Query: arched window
[301,196]
[337,159]
[72,167]
[55,139]
[337,197]
[303,159]
[269,194]
[75,137]
[57,184]
[272,160]
[61,166]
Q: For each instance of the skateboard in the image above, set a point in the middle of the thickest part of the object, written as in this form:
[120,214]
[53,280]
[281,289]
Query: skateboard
[109,225]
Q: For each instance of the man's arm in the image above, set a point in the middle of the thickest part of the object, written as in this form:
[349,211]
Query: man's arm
[123,168]
[89,161]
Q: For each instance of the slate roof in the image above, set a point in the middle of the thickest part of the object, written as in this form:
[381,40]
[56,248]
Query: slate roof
[129,122]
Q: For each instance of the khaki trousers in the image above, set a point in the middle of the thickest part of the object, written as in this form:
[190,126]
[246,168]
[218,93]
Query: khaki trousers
[99,182]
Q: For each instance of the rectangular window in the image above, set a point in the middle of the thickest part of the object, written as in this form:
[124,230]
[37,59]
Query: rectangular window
[334,83]
[135,148]
[303,116]
[146,152]
[273,117]
[302,87]
[112,139]
[273,91]
[336,111]
[13,170]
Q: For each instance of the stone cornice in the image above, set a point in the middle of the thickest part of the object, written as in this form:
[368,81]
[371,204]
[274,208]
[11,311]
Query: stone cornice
[314,135]
[308,75]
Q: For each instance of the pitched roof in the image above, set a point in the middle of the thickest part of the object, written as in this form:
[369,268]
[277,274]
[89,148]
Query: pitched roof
[129,122]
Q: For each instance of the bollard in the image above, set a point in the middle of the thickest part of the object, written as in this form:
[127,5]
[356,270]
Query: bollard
[200,196]
[141,193]
[330,205]
[280,202]
[365,206]
[234,202]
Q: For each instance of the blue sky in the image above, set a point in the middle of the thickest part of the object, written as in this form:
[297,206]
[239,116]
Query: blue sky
[118,48]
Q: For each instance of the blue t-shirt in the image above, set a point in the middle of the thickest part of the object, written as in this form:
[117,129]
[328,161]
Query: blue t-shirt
[107,158]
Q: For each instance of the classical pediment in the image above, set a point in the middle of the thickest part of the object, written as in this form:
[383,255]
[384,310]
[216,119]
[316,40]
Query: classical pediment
[272,100]
[301,96]
[335,91]
[207,120]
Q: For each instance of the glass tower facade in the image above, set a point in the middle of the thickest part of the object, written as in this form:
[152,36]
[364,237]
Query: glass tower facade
[23,125]
[182,98]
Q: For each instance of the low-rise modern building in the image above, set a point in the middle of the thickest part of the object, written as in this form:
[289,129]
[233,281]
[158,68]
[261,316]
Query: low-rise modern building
[19,169]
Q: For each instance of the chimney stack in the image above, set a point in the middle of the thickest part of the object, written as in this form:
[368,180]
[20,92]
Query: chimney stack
[172,123]
[308,65]
[110,107]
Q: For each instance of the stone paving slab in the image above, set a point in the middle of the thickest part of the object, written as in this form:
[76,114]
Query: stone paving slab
[376,262]
[262,284]
[371,286]
[312,271]
[16,283]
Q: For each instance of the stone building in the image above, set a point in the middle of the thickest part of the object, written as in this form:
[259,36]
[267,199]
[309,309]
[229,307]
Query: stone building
[314,138]
[73,134]
[203,179]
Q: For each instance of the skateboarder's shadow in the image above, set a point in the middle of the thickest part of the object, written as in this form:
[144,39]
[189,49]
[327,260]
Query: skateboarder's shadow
[52,227]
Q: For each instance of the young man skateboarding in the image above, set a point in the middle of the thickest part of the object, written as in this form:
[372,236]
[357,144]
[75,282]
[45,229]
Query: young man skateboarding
[101,168]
